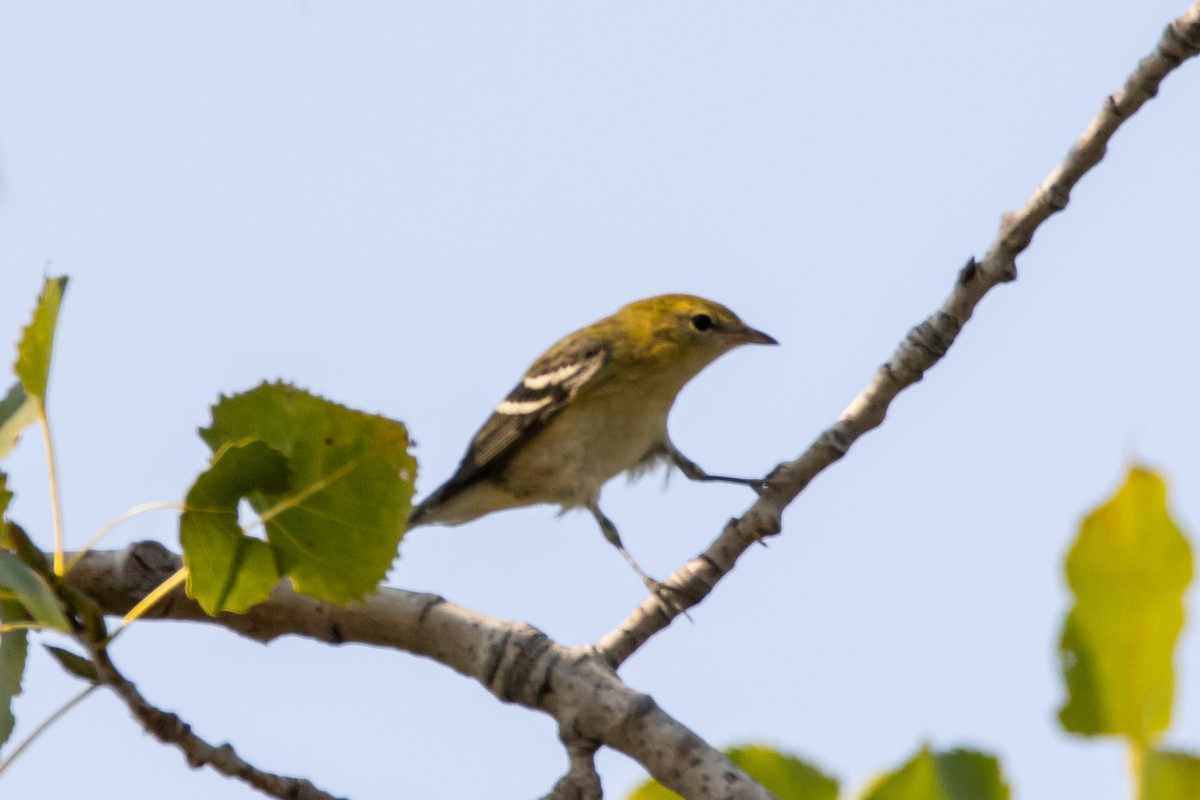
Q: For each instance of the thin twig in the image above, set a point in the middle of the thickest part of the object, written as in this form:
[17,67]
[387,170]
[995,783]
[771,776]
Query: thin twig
[168,728]
[920,349]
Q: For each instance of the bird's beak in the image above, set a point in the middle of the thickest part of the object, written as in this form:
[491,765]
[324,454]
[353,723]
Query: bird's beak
[748,335]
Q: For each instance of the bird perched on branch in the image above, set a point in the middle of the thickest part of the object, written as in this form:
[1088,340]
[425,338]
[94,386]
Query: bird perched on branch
[593,406]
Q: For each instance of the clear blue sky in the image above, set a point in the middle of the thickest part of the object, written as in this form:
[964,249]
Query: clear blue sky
[400,206]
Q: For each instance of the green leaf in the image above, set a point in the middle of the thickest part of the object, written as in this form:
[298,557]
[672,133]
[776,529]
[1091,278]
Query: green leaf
[1170,775]
[5,498]
[17,412]
[335,529]
[37,341]
[13,649]
[28,553]
[948,775]
[5,495]
[787,777]
[32,592]
[6,535]
[228,570]
[1128,570]
[653,790]
[86,611]
[77,665]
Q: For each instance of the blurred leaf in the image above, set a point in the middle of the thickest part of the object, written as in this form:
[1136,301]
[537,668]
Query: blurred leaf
[335,529]
[1128,570]
[787,777]
[77,665]
[1170,775]
[86,611]
[653,790]
[13,649]
[32,592]
[37,341]
[228,570]
[5,494]
[950,775]
[17,412]
[18,541]
[5,498]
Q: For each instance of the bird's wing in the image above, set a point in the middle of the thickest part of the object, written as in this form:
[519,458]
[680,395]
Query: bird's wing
[548,387]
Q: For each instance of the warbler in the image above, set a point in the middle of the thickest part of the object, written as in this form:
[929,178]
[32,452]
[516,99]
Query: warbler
[591,407]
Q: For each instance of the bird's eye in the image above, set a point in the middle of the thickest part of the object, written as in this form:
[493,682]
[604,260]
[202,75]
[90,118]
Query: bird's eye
[702,322]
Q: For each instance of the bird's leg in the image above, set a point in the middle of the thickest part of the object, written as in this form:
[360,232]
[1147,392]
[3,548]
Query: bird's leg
[614,538]
[696,473]
[668,595]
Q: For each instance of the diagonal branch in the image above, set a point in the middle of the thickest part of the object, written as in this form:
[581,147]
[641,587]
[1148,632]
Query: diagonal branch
[920,349]
[515,662]
[168,728]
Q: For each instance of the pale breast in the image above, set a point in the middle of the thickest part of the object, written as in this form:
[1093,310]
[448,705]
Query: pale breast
[583,448]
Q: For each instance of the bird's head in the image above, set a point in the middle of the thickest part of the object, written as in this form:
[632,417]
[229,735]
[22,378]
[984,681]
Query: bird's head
[684,332]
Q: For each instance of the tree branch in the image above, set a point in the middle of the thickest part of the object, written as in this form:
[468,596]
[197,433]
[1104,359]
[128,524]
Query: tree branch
[577,686]
[514,661]
[920,349]
[168,728]
[581,782]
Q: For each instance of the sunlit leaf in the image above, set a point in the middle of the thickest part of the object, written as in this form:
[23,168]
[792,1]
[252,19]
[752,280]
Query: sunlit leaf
[228,570]
[32,592]
[37,341]
[1170,775]
[17,412]
[785,776]
[75,664]
[334,530]
[949,775]
[653,790]
[1128,570]
[13,649]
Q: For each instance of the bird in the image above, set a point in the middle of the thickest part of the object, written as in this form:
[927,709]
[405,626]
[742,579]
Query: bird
[593,406]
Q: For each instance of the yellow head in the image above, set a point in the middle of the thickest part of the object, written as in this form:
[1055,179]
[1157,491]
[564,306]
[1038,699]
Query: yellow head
[680,332]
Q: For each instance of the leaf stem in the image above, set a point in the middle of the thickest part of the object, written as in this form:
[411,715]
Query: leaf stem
[40,729]
[1137,760]
[21,625]
[108,527]
[148,602]
[55,498]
